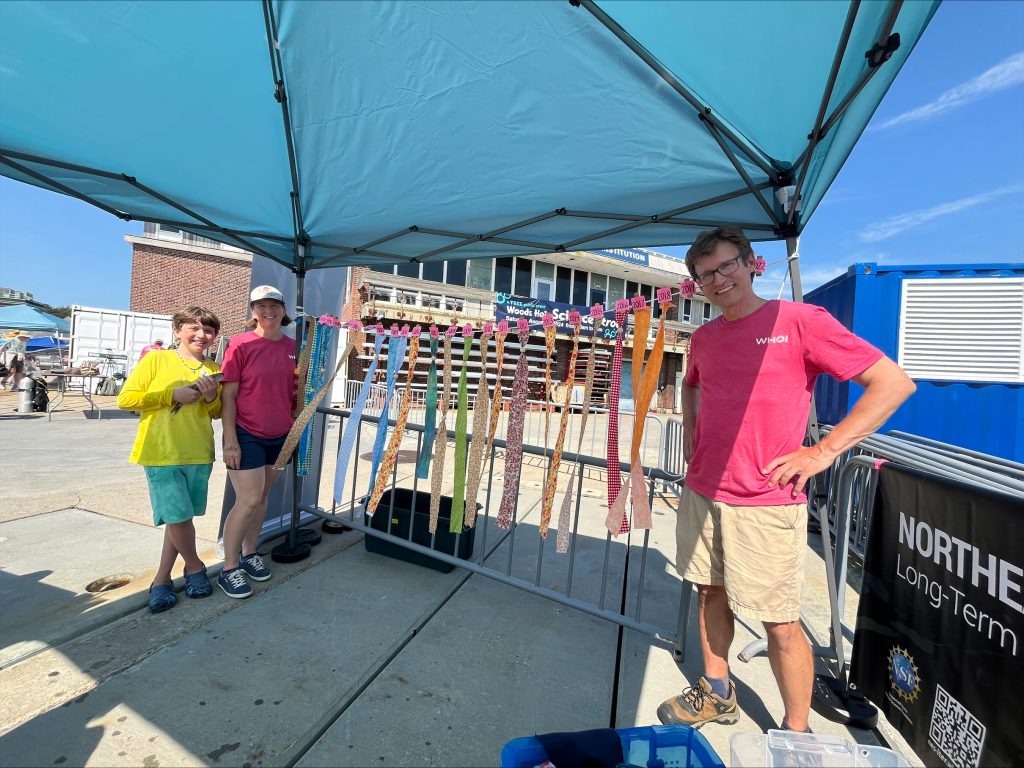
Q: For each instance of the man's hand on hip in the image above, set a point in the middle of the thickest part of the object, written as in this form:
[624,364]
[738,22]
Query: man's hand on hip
[798,467]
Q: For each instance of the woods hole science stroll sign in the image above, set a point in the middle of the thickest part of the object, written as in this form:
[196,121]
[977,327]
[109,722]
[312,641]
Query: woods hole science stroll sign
[939,644]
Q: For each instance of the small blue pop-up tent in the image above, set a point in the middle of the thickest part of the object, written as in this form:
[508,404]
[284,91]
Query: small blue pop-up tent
[324,134]
[25,317]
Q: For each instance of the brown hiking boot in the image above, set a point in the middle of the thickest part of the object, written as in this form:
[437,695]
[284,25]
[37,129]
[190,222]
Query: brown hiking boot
[698,705]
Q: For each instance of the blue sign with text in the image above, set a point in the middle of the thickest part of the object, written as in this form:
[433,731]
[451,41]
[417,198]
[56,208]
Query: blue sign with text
[636,256]
[511,308]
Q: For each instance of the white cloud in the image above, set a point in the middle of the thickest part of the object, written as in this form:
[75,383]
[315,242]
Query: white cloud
[1005,74]
[894,225]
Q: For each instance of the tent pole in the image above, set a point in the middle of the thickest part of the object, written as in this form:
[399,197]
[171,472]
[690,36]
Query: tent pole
[793,260]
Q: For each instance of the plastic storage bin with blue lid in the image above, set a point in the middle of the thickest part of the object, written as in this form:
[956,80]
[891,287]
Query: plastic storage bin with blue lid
[655,746]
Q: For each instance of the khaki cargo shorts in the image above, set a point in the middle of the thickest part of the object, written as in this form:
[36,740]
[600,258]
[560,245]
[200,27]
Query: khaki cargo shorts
[757,553]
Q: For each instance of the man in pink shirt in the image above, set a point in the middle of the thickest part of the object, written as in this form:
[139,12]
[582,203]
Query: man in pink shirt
[156,345]
[741,527]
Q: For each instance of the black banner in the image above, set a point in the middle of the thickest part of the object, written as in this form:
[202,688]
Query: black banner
[511,308]
[939,645]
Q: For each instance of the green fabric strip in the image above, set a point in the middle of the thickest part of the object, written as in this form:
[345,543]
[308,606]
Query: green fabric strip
[429,416]
[461,422]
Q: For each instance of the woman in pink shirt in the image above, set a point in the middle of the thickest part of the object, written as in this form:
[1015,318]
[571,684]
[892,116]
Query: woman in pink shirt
[258,401]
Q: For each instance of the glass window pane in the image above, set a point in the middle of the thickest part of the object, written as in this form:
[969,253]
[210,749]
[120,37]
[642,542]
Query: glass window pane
[409,269]
[543,289]
[524,271]
[579,288]
[457,273]
[545,270]
[433,270]
[479,274]
[562,284]
[687,310]
[647,292]
[616,289]
[503,274]
[632,289]
[598,296]
[598,281]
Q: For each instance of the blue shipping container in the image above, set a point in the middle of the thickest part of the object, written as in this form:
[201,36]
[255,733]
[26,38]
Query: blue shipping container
[982,416]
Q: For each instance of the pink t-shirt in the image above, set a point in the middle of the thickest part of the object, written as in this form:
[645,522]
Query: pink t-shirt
[755,376]
[265,372]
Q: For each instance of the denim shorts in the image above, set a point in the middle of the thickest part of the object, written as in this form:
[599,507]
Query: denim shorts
[258,451]
[178,493]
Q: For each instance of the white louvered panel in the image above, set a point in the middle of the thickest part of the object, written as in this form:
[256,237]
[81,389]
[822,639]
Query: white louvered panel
[963,329]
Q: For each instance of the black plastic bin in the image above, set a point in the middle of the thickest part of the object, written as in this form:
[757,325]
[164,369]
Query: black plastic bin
[403,509]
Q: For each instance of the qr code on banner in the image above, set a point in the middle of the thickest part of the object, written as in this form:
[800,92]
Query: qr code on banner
[955,734]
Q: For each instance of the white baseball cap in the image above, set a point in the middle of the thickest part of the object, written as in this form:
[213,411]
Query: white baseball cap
[268,292]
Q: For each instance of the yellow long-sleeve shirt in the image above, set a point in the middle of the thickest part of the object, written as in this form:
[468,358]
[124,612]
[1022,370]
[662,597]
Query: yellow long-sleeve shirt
[165,438]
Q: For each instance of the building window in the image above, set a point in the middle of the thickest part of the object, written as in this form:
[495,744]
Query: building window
[616,289]
[707,312]
[580,281]
[480,274]
[503,274]
[456,273]
[544,281]
[563,277]
[687,312]
[524,275]
[632,289]
[598,289]
[433,270]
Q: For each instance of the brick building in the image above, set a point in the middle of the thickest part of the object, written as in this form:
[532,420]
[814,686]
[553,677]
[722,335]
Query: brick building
[172,269]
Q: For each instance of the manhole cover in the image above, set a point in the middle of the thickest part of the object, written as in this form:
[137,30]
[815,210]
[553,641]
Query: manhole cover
[108,583]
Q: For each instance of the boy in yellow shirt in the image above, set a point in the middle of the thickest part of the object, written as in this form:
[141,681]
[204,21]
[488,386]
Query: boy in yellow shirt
[178,397]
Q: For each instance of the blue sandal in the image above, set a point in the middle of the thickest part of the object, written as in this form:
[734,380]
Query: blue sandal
[198,584]
[161,597]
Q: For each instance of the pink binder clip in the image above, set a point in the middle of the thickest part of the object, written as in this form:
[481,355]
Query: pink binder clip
[574,318]
[548,321]
[378,328]
[489,328]
[522,326]
[450,331]
[597,311]
[434,332]
[760,265]
[503,327]
[394,331]
[416,331]
[467,331]
[354,325]
[687,288]
[405,330]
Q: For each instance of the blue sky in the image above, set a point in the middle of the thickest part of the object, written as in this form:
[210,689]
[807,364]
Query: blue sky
[938,178]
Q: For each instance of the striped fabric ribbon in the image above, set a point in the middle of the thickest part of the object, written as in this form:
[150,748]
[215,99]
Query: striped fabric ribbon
[475,465]
[391,455]
[549,489]
[612,444]
[564,513]
[355,339]
[441,442]
[396,352]
[302,369]
[322,335]
[461,426]
[348,437]
[496,400]
[514,452]
[549,346]
[429,416]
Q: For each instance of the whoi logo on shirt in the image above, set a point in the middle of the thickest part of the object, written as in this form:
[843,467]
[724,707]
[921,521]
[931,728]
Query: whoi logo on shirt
[773,339]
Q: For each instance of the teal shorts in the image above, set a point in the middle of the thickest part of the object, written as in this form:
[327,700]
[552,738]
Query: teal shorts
[178,493]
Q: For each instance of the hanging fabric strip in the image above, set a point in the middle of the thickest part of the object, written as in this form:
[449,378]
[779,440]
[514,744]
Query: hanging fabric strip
[641,502]
[321,340]
[475,465]
[383,477]
[552,480]
[355,339]
[514,441]
[612,444]
[302,368]
[562,543]
[348,437]
[441,441]
[429,412]
[496,400]
[396,351]
[461,422]
[549,345]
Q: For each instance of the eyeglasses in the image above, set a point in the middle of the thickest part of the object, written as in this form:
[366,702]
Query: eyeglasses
[724,269]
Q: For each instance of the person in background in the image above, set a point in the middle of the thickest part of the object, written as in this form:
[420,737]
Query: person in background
[177,397]
[156,345]
[15,349]
[741,530]
[259,401]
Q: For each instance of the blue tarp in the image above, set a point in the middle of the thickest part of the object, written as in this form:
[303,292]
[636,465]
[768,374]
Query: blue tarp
[434,130]
[25,317]
[43,343]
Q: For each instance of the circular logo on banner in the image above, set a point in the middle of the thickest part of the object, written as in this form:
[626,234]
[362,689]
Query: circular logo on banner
[903,674]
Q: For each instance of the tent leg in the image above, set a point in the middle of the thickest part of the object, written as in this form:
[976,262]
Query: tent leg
[300,540]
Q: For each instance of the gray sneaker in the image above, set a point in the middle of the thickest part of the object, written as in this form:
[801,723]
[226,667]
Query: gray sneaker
[698,705]
[234,583]
[254,567]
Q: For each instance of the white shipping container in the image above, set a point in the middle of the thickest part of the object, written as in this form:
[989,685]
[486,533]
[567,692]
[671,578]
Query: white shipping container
[118,333]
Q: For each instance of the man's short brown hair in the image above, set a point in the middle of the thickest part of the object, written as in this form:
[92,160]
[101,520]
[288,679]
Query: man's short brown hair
[706,242]
[196,315]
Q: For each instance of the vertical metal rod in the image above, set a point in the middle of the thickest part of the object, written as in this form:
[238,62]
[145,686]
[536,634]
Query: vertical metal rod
[575,528]
[643,556]
[487,507]
[355,469]
[415,486]
[604,569]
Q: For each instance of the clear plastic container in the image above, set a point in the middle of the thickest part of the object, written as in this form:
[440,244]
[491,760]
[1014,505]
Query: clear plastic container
[778,749]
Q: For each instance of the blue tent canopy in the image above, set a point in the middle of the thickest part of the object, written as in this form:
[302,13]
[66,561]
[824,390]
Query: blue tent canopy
[325,134]
[25,317]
